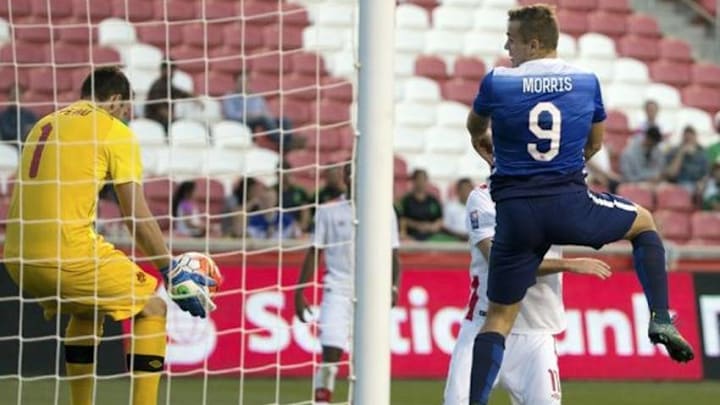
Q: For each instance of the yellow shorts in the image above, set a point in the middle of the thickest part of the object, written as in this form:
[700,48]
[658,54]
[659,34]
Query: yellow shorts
[112,285]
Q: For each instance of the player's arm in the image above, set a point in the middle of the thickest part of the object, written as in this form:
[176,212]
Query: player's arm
[141,223]
[595,140]
[306,272]
[581,265]
[477,125]
[395,275]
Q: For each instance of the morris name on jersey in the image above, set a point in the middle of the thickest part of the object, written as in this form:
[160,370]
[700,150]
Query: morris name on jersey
[547,84]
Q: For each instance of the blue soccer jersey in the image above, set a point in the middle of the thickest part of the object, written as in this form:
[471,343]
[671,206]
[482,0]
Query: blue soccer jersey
[541,114]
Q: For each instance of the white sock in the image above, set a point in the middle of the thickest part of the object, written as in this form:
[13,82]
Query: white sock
[325,376]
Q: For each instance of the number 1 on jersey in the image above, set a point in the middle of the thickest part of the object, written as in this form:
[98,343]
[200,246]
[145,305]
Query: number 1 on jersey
[552,134]
[35,164]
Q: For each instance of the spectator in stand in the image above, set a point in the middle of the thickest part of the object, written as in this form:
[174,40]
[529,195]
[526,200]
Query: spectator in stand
[600,172]
[244,198]
[454,217]
[713,152]
[651,109]
[252,110]
[162,94]
[188,221]
[268,221]
[642,160]
[294,198]
[334,185]
[687,163]
[711,189]
[421,215]
[16,121]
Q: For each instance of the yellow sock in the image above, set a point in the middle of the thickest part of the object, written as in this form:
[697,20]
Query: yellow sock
[146,358]
[80,357]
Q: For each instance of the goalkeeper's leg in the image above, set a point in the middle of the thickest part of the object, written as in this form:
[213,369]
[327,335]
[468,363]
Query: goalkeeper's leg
[146,356]
[80,340]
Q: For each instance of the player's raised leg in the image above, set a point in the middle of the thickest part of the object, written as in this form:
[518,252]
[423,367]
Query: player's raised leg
[649,263]
[81,339]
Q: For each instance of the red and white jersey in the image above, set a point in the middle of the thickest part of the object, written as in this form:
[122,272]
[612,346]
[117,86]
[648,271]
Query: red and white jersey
[542,309]
[334,234]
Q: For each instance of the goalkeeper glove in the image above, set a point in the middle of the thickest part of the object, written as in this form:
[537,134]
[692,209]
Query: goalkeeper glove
[187,290]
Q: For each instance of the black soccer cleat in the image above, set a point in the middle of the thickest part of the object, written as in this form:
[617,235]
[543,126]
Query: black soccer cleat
[667,335]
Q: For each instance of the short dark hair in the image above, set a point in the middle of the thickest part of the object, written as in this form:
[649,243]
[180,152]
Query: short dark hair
[689,128]
[105,82]
[537,22]
[462,182]
[418,172]
[653,134]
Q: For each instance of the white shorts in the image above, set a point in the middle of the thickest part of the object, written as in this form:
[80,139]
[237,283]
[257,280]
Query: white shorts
[529,372]
[335,318]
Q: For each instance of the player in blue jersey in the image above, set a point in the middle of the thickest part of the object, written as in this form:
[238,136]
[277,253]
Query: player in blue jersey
[547,121]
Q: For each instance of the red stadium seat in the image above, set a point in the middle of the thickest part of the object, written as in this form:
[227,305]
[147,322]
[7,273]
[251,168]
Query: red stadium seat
[286,38]
[459,90]
[57,10]
[400,168]
[432,67]
[201,35]
[529,2]
[673,225]
[158,189]
[304,157]
[706,74]
[67,54]
[246,39]
[299,87]
[75,35]
[32,34]
[638,193]
[574,23]
[264,83]
[105,56]
[615,6]
[295,15]
[612,25]
[643,26]
[673,197]
[298,111]
[94,10]
[579,5]
[709,5]
[174,10]
[45,80]
[672,73]
[472,69]
[676,50]
[187,59]
[39,103]
[226,60]
[704,98]
[209,190]
[215,10]
[269,64]
[337,89]
[643,48]
[160,35]
[331,112]
[134,10]
[259,14]
[706,226]
[22,54]
[20,9]
[308,64]
[218,84]
[617,122]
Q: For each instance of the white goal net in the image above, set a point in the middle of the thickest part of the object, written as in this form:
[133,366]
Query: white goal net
[245,115]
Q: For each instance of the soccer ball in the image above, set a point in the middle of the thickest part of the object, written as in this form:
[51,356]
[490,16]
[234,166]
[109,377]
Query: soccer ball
[201,263]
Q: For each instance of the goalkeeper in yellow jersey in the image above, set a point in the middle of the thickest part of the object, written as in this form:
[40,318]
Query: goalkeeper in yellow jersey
[53,253]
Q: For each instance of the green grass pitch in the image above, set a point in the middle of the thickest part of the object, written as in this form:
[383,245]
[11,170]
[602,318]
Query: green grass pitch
[222,391]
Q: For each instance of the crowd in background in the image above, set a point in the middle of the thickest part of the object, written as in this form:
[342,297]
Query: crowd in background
[648,158]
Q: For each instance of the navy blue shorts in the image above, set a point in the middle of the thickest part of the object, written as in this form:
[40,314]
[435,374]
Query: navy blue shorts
[526,227]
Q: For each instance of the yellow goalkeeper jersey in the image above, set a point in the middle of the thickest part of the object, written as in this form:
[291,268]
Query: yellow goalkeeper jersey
[65,161]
